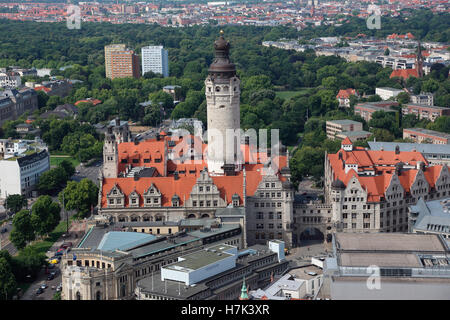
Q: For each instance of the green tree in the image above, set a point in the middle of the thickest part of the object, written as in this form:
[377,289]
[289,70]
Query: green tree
[45,215]
[80,196]
[15,202]
[23,231]
[403,97]
[8,283]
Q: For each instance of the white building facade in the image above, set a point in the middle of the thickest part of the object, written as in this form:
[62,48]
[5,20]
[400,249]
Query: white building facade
[155,59]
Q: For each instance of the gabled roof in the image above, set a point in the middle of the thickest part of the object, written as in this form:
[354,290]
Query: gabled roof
[404,73]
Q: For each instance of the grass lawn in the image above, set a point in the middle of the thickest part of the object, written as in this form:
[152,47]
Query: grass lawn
[44,245]
[289,94]
[57,159]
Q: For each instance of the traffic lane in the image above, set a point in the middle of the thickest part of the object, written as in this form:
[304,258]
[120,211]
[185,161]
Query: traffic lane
[49,292]
[87,172]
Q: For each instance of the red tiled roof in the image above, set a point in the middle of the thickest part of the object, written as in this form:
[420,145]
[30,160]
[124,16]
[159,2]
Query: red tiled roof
[404,73]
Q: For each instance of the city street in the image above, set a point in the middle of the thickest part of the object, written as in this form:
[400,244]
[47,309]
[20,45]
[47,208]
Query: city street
[90,172]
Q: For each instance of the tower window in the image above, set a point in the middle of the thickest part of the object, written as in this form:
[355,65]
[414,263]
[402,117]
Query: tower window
[217,89]
[222,106]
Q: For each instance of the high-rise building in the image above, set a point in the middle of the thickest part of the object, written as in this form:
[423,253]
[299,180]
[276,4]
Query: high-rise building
[121,62]
[108,49]
[223,105]
[155,59]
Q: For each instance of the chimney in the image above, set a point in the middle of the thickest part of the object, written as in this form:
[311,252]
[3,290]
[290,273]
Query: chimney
[397,149]
[175,175]
[340,155]
[136,141]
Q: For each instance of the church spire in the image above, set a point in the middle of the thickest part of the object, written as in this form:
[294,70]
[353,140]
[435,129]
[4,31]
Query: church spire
[244,291]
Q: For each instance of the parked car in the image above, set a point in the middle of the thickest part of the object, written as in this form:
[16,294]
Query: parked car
[59,288]
[44,286]
[4,230]
[39,291]
[50,277]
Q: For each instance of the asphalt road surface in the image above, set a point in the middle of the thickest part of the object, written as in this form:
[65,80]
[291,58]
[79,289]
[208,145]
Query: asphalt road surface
[49,292]
[90,172]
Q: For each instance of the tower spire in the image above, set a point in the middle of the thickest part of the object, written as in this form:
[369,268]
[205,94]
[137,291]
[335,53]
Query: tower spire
[244,291]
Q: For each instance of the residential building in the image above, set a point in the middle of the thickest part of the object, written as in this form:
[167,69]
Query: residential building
[426,99]
[365,110]
[380,266]
[61,112]
[425,111]
[155,59]
[10,79]
[108,62]
[435,154]
[430,217]
[14,102]
[214,273]
[421,135]
[386,93]
[124,64]
[341,129]
[174,91]
[343,97]
[59,88]
[22,162]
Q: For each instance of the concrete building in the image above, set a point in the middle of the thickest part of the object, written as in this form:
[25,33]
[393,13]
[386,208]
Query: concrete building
[435,154]
[421,135]
[13,103]
[430,217]
[428,112]
[365,110]
[155,59]
[425,99]
[226,268]
[389,267]
[10,79]
[108,263]
[124,64]
[386,93]
[60,88]
[108,62]
[341,129]
[296,284]
[121,62]
[22,162]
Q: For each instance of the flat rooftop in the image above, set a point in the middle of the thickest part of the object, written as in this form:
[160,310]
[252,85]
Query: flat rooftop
[201,258]
[388,242]
[404,260]
[343,122]
[306,272]
[429,132]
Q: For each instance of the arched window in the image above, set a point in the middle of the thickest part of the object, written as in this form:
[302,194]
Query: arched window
[205,215]
[191,216]
[217,89]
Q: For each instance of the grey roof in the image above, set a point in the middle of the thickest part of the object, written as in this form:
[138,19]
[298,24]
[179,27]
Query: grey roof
[354,133]
[430,132]
[419,147]
[432,215]
[345,121]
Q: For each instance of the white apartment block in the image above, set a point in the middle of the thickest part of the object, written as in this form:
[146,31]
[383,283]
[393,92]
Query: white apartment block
[21,165]
[155,59]
[385,93]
